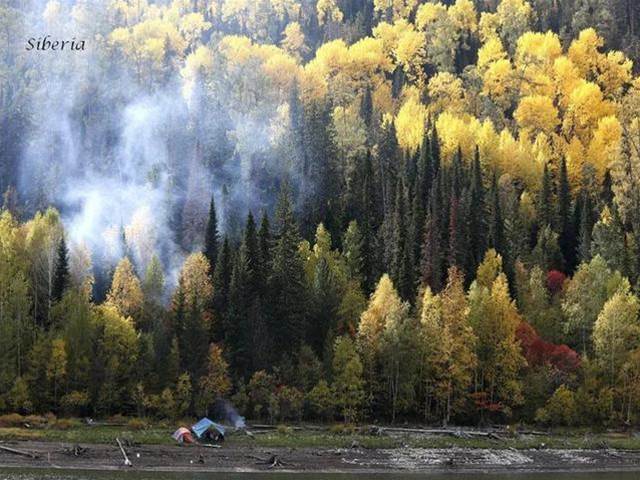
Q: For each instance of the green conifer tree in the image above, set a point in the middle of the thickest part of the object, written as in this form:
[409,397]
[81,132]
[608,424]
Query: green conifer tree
[61,273]
[286,283]
[565,222]
[211,236]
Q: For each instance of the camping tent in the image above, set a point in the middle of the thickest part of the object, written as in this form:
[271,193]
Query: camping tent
[205,425]
[182,435]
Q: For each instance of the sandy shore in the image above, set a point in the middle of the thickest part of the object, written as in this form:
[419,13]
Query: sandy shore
[250,459]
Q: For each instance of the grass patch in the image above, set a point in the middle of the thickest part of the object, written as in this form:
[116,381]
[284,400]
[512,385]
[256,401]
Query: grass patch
[86,434]
[143,432]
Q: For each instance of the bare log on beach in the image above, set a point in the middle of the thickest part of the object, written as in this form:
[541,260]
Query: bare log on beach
[441,431]
[127,462]
[15,451]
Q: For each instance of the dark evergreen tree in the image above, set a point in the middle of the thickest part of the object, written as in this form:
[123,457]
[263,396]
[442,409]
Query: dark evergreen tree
[401,249]
[397,81]
[586,226]
[435,153]
[419,203]
[496,222]
[369,223]
[263,259]
[194,342]
[286,284]
[320,171]
[459,231]
[432,255]
[366,107]
[221,281]
[211,236]
[457,174]
[237,330]
[566,240]
[607,194]
[388,161]
[61,273]
[325,303]
[545,205]
[424,178]
[477,215]
[251,244]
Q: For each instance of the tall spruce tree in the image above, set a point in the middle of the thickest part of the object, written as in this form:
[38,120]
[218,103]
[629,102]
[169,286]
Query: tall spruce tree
[237,331]
[435,152]
[496,222]
[251,245]
[368,224]
[401,249]
[286,284]
[61,273]
[221,281]
[320,169]
[258,245]
[545,205]
[586,225]
[420,197]
[211,236]
[565,221]
[388,161]
[459,231]
[477,215]
[263,259]
[195,340]
[366,107]
[432,255]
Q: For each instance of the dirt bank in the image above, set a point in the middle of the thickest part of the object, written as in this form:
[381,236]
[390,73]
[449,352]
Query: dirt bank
[235,458]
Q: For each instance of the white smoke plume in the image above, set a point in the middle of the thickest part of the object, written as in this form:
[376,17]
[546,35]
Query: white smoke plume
[115,156]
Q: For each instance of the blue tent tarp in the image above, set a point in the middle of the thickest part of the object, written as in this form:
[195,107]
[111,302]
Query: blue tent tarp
[205,424]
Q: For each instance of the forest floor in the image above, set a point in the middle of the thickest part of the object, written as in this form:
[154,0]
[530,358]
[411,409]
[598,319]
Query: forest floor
[319,449]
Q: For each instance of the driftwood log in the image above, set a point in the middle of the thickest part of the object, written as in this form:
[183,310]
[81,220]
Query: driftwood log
[15,451]
[127,462]
[455,432]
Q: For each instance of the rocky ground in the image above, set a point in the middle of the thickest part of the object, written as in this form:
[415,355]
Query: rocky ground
[245,458]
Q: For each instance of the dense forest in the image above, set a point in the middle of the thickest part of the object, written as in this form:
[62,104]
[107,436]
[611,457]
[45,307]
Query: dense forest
[322,209]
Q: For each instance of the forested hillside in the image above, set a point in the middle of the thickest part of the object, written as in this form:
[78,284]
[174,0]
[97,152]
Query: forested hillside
[331,209]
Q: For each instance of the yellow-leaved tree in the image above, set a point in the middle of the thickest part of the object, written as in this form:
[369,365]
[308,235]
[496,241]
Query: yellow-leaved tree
[410,123]
[126,293]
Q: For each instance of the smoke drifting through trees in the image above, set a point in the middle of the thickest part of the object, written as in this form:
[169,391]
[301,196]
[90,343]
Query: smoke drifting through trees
[133,164]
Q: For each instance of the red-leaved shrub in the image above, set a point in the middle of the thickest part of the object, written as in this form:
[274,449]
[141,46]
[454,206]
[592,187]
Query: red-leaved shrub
[539,352]
[555,281]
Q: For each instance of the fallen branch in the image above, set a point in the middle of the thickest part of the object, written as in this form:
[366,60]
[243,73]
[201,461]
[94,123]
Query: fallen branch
[259,427]
[440,431]
[532,432]
[19,452]
[127,462]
